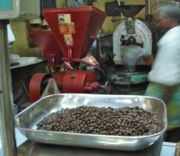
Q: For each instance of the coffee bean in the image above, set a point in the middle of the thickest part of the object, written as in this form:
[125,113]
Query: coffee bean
[127,121]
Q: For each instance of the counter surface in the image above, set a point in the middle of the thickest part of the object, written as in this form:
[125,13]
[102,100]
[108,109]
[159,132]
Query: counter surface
[30,148]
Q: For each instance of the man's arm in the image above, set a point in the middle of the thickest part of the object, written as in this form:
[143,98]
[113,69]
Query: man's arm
[168,92]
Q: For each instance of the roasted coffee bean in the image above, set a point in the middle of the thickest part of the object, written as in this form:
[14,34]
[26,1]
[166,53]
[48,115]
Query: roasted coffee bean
[127,121]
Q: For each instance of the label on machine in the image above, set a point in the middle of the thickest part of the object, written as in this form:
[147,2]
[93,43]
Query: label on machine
[67,28]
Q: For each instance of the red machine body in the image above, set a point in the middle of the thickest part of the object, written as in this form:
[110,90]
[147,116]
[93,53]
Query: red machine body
[87,22]
[48,46]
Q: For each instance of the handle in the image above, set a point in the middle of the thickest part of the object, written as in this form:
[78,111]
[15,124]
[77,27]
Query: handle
[177,149]
[70,54]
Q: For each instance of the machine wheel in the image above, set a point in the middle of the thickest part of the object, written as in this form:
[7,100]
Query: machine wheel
[74,82]
[35,86]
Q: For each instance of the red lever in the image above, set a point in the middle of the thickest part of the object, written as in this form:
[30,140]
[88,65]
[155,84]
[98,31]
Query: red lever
[70,54]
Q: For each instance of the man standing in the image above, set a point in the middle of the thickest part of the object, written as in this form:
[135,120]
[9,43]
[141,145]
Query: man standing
[164,76]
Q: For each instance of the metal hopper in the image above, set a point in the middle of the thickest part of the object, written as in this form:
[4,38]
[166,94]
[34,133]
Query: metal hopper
[87,22]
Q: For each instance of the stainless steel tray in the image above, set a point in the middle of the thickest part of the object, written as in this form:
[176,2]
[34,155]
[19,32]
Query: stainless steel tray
[27,120]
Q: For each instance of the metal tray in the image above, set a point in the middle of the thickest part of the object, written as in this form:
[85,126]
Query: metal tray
[27,120]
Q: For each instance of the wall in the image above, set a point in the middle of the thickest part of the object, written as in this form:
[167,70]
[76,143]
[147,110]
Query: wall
[21,44]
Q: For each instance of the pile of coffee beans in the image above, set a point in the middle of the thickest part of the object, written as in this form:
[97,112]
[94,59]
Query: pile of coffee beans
[124,121]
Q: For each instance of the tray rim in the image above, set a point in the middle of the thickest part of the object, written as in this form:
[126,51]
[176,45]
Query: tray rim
[88,134]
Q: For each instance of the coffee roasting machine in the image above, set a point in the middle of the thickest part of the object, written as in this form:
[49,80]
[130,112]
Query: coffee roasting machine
[122,52]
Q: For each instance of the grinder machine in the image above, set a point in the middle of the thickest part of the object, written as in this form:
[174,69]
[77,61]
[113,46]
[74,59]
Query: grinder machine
[72,32]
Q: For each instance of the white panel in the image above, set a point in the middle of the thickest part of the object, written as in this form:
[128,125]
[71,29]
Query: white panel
[13,13]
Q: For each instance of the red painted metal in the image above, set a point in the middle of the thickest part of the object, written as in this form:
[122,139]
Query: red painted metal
[70,59]
[35,86]
[77,82]
[74,82]
[91,86]
[59,77]
[91,76]
[69,82]
[87,20]
[46,41]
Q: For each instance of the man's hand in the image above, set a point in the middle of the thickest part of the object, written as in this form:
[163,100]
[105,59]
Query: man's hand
[168,92]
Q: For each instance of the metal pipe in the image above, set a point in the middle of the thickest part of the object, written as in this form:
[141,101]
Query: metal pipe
[119,2]
[147,7]
[157,3]
[6,109]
